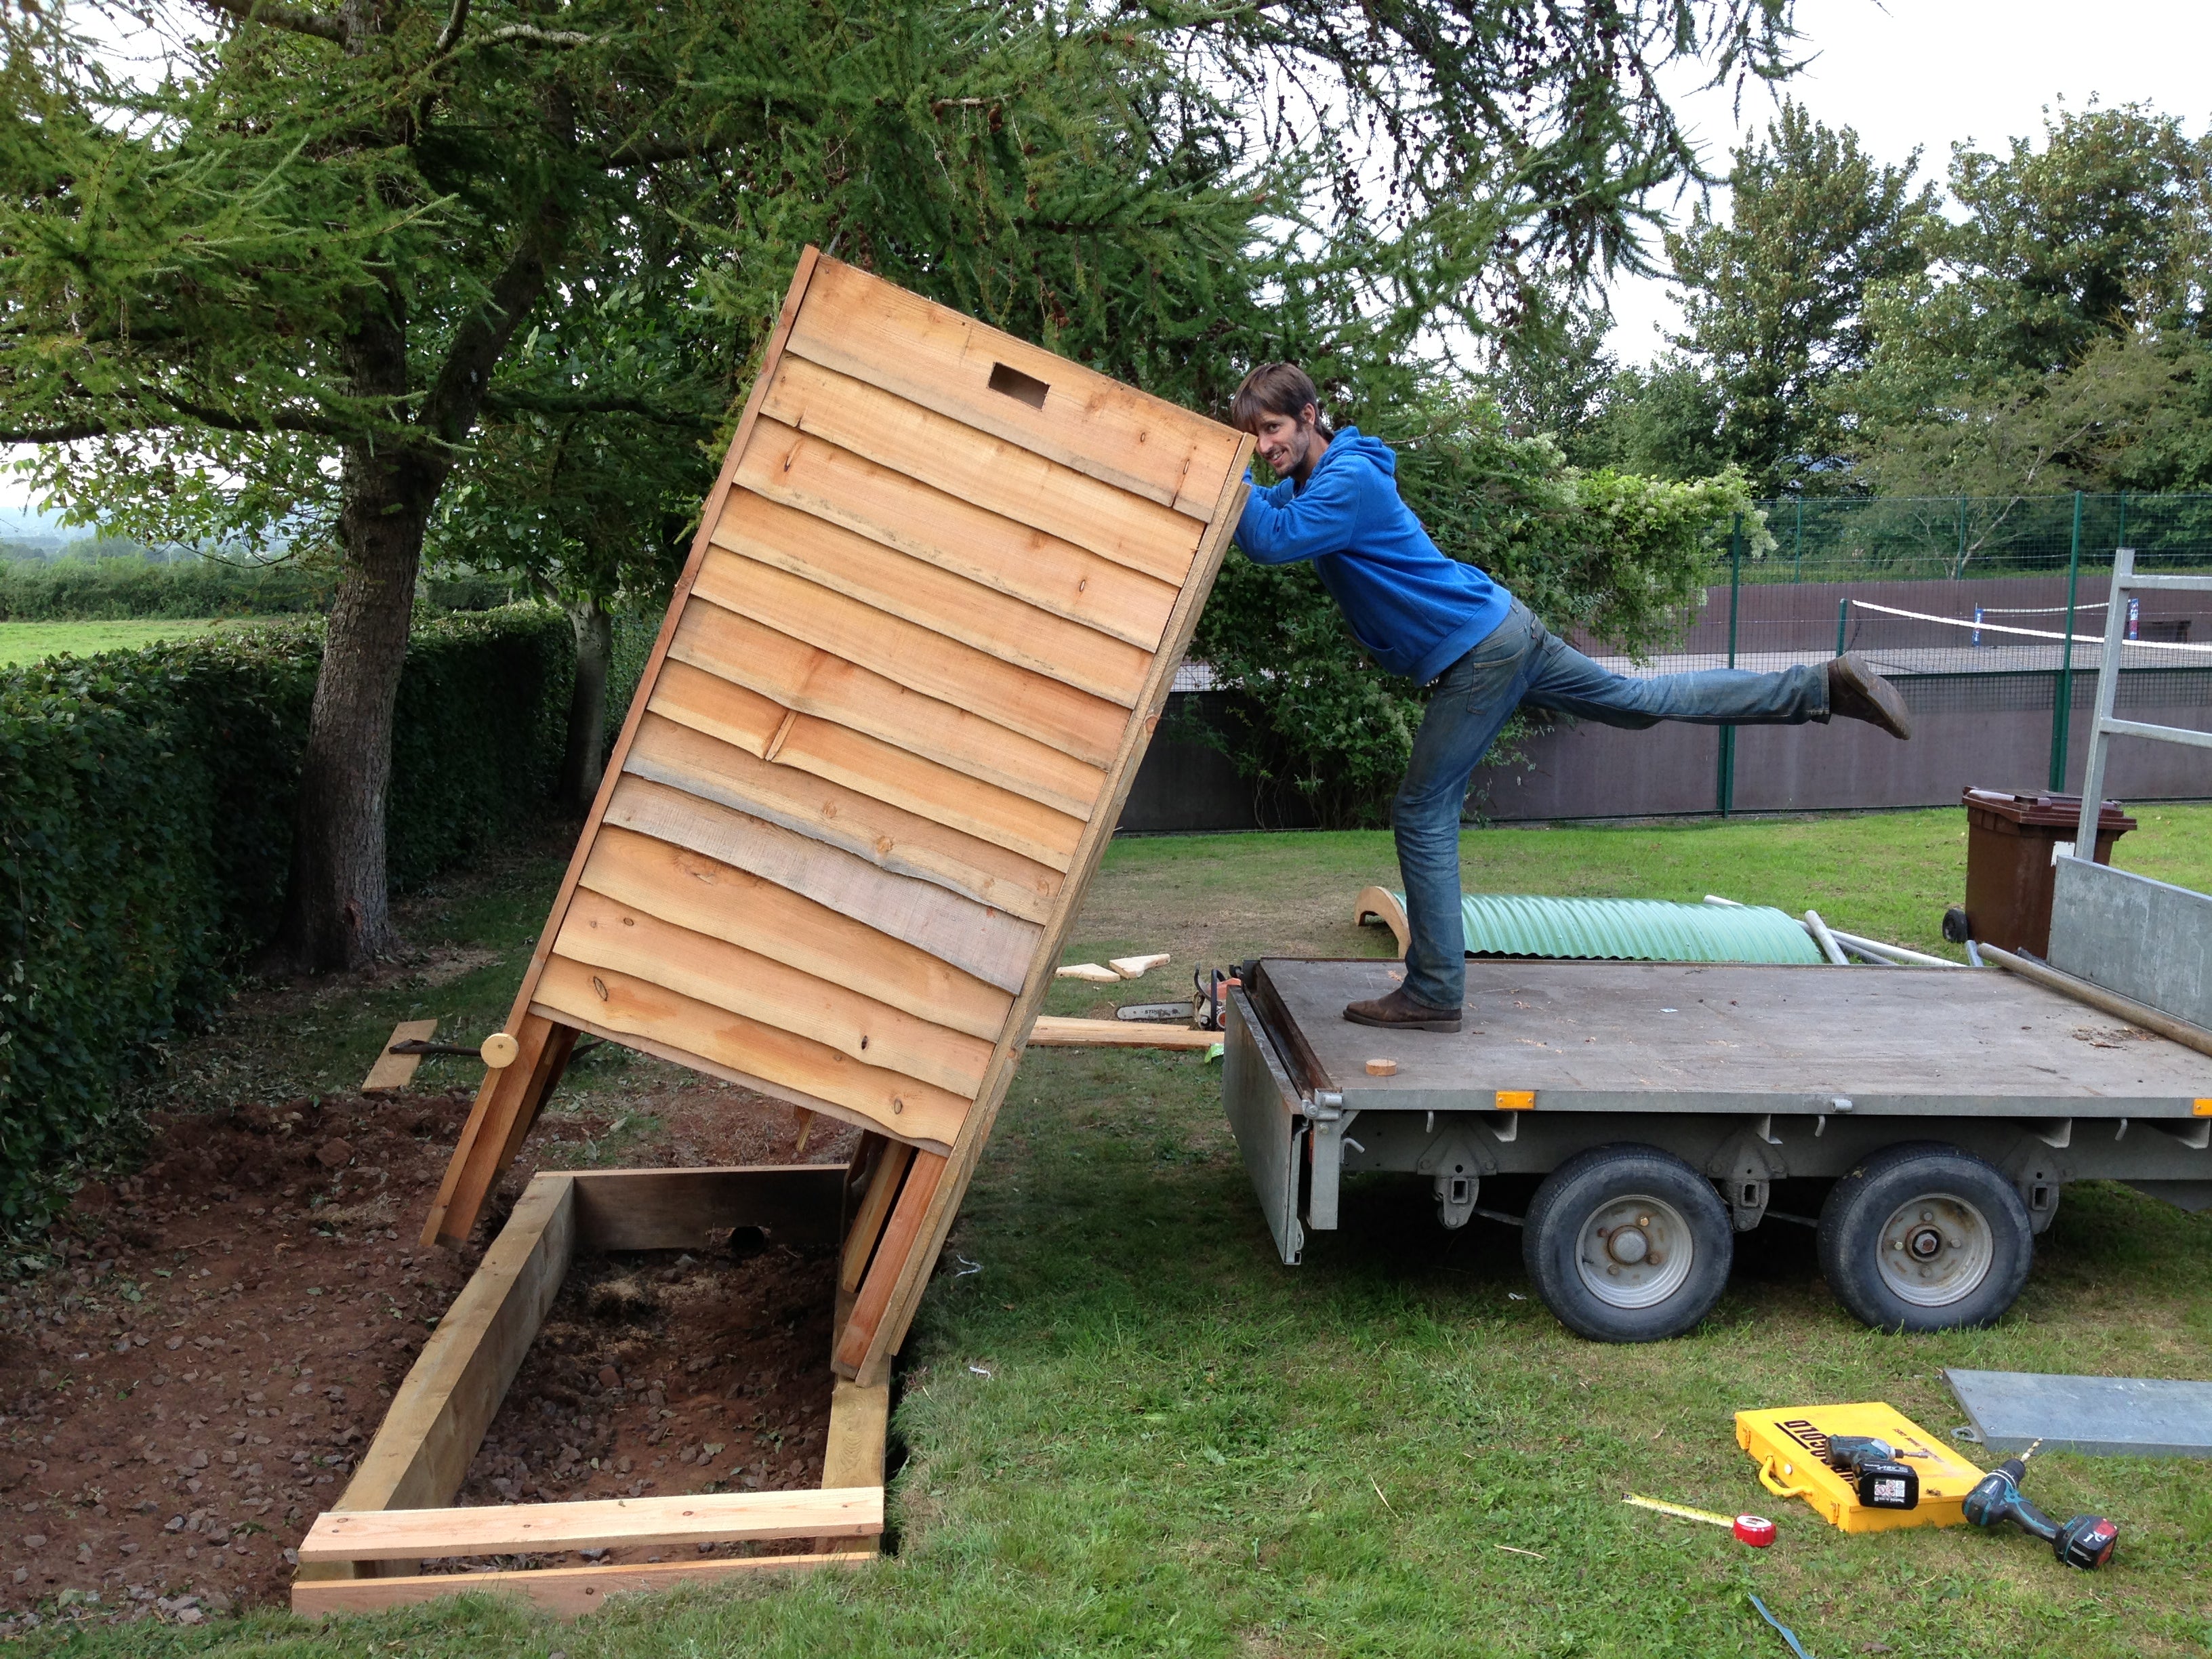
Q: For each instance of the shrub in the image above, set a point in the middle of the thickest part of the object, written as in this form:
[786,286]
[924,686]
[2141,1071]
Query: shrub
[145,826]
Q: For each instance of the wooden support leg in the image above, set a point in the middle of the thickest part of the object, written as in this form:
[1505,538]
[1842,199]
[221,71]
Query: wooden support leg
[861,1354]
[506,1106]
[875,1209]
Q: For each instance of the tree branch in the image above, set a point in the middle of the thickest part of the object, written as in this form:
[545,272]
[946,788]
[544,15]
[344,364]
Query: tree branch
[464,380]
[322,25]
[504,400]
[647,153]
[450,35]
[54,435]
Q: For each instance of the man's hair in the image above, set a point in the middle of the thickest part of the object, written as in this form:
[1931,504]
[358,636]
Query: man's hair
[1276,389]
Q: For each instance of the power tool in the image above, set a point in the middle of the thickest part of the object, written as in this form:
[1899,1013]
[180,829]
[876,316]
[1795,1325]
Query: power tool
[1883,1481]
[2085,1541]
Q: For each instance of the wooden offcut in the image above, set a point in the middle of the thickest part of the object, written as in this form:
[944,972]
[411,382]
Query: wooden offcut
[929,621]
[393,1070]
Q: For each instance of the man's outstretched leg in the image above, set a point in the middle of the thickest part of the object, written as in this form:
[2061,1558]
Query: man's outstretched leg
[1565,681]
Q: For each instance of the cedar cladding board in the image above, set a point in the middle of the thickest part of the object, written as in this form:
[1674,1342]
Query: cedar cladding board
[928,625]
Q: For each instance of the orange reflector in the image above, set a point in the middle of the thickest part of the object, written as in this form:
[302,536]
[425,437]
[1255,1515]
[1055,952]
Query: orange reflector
[2204,1108]
[1524,1100]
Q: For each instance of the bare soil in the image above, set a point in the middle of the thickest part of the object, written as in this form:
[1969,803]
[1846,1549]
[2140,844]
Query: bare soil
[191,1368]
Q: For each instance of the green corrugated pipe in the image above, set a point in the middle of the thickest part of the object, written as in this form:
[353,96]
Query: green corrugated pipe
[1634,930]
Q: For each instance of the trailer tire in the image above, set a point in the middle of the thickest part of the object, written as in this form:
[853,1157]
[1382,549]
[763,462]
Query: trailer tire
[1923,1236]
[1628,1243]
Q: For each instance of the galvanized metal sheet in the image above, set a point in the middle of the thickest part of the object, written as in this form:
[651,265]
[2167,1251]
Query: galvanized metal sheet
[2143,939]
[1630,930]
[2101,1416]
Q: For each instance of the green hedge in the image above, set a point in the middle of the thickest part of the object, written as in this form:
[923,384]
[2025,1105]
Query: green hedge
[145,826]
[115,589]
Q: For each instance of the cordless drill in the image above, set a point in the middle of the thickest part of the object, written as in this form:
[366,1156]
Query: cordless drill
[1884,1482]
[2085,1541]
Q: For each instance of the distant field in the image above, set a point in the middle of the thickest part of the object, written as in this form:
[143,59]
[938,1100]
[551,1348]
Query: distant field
[22,642]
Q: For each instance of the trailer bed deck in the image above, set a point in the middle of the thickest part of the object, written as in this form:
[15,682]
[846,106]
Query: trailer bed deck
[1676,1037]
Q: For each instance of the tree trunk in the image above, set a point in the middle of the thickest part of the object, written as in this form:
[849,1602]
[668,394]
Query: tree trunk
[585,760]
[336,906]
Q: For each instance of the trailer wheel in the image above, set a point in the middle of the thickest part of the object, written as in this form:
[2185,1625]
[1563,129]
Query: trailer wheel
[1925,1237]
[1628,1244]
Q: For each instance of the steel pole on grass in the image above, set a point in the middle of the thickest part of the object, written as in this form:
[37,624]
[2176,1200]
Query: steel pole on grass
[1725,789]
[2061,707]
[1843,618]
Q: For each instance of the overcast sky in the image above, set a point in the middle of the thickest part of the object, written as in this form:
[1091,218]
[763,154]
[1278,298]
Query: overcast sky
[1932,73]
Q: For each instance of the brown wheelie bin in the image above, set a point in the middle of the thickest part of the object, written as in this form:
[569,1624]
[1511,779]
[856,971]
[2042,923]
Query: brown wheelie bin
[2010,844]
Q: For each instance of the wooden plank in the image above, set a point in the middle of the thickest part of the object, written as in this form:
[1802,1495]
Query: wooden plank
[690,1209]
[874,1364]
[566,1592]
[630,1006]
[998,476]
[875,1208]
[976,938]
[393,1071]
[603,933]
[542,1529]
[869,766]
[760,1086]
[934,356]
[1051,1031]
[860,1423]
[544,1077]
[707,896]
[895,1255]
[967,541]
[452,1222]
[795,675]
[1021,666]
[451,1393]
[887,836]
[502,1100]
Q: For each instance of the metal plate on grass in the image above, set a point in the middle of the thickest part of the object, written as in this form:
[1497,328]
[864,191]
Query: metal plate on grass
[2101,1416]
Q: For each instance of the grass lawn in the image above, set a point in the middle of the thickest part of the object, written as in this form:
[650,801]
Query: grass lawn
[28,641]
[1131,1431]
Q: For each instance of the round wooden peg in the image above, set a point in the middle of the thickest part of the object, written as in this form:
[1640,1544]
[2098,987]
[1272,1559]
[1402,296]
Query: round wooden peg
[499,1051]
[1382,1068]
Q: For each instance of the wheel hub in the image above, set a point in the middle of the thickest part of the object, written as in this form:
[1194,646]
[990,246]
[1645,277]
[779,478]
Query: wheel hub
[1935,1249]
[1634,1251]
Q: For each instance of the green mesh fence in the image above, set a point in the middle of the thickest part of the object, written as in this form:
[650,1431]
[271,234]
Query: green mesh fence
[1977,602]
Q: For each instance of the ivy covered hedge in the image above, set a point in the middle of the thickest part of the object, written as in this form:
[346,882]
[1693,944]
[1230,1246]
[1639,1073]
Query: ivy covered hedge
[145,826]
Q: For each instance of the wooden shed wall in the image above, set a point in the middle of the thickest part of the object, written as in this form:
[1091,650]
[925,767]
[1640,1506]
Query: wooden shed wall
[901,690]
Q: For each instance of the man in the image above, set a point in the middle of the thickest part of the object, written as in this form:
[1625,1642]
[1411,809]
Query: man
[1447,625]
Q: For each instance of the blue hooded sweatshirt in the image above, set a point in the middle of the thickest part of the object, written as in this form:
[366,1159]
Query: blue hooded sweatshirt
[1416,611]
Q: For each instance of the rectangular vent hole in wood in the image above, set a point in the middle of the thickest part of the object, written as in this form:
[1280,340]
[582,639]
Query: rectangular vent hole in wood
[1015,384]
[397,1511]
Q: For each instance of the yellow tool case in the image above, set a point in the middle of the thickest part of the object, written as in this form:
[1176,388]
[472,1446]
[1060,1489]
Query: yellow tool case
[1790,1445]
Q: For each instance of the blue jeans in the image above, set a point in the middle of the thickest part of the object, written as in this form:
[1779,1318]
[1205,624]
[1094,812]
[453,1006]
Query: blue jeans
[1524,665]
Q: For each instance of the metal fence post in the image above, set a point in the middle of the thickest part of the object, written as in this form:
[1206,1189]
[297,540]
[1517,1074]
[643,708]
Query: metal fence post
[1797,553]
[2062,706]
[1843,618]
[1725,789]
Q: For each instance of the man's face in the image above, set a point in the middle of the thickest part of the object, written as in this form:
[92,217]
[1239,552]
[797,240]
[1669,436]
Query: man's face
[1289,443]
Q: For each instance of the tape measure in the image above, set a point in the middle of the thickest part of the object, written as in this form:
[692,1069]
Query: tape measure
[1755,1530]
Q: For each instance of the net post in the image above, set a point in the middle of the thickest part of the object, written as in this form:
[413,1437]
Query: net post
[1724,788]
[2062,706]
[1843,618]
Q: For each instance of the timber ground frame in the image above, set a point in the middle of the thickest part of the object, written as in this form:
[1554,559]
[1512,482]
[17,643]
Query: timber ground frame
[359,1556]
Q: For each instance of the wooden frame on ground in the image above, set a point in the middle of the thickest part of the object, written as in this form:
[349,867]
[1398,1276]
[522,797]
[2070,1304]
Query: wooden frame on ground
[357,1557]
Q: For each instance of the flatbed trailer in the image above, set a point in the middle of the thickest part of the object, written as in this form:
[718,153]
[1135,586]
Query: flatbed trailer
[1662,1103]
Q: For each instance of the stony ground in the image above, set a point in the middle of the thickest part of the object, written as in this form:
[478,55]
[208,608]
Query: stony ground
[191,1365]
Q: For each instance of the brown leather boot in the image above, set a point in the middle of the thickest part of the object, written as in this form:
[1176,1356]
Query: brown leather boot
[1399,1012]
[1858,693]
